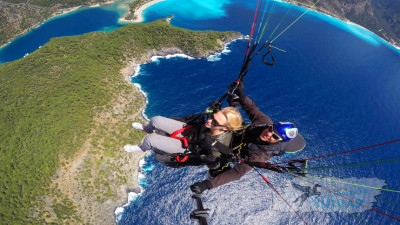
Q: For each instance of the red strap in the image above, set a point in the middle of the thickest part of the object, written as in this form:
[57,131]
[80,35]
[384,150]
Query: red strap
[185,141]
[182,160]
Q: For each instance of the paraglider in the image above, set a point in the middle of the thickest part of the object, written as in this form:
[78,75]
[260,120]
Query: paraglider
[236,153]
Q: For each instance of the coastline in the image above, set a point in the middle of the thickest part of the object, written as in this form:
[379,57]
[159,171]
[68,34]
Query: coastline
[138,14]
[139,18]
[343,19]
[59,12]
[53,15]
[132,70]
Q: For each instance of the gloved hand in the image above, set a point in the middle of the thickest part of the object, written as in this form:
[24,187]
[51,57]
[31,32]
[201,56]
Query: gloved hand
[239,91]
[215,105]
[199,187]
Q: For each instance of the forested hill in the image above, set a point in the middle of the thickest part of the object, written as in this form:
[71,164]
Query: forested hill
[380,16]
[65,116]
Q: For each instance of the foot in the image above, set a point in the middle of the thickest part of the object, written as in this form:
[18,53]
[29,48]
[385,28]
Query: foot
[133,148]
[139,126]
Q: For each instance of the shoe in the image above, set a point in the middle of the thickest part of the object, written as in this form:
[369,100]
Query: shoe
[133,148]
[139,126]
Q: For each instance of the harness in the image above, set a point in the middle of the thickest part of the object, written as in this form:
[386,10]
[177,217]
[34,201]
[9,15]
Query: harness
[183,139]
[192,130]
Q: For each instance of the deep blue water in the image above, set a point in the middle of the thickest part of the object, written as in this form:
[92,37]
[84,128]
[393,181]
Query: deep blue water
[337,82]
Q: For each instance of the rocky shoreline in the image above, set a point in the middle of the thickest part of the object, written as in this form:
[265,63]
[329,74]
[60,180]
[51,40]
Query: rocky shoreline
[83,174]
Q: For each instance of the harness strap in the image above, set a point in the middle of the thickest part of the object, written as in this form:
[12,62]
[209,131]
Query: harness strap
[183,159]
[185,141]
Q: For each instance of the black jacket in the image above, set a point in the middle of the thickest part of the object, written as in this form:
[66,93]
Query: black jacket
[255,150]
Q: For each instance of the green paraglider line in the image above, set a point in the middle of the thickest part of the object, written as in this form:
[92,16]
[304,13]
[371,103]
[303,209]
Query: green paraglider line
[347,198]
[277,48]
[352,165]
[391,211]
[345,152]
[312,6]
[316,200]
[261,22]
[359,185]
[279,24]
[393,203]
[361,219]
[267,21]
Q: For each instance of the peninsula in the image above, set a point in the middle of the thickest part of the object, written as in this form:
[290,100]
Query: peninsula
[137,8]
[66,114]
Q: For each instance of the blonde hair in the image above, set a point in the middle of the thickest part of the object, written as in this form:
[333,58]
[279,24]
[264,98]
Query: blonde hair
[233,118]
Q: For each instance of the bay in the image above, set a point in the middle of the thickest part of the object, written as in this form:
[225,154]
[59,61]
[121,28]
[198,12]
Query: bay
[84,20]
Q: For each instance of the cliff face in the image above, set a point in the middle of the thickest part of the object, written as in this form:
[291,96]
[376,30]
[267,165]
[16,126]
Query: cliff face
[380,16]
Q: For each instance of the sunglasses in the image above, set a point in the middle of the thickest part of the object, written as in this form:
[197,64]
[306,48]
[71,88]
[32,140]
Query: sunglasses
[274,134]
[214,122]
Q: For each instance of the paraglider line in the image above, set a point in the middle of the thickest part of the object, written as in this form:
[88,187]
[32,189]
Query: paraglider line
[295,21]
[351,165]
[360,185]
[273,188]
[345,152]
[352,200]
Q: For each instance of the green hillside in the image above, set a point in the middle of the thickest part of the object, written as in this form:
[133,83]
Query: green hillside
[51,98]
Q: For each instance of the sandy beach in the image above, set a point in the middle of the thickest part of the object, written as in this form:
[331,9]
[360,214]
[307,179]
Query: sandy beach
[345,20]
[138,12]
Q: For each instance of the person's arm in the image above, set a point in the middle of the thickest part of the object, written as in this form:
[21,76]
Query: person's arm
[233,174]
[252,111]
[230,175]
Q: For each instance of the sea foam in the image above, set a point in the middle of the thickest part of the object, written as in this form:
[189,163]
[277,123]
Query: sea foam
[144,166]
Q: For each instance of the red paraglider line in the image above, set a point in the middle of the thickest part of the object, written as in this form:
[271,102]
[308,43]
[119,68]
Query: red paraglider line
[339,153]
[252,28]
[273,188]
[328,190]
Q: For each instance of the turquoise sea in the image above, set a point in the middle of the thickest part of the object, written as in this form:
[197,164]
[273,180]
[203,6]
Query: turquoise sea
[338,82]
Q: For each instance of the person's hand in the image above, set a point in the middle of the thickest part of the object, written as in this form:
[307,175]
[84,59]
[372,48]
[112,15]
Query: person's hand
[199,187]
[215,106]
[239,91]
